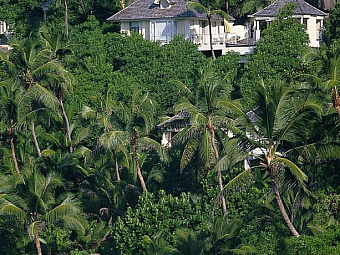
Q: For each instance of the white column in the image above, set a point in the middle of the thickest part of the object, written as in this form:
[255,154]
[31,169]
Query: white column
[257,31]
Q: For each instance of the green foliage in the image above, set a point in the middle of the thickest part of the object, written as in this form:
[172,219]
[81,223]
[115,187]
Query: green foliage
[278,54]
[333,25]
[326,242]
[155,67]
[153,214]
[92,71]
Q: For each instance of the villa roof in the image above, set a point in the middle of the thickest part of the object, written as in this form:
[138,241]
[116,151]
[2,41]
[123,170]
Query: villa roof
[147,9]
[302,8]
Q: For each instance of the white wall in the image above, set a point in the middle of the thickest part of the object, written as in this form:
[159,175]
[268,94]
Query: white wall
[125,27]
[3,27]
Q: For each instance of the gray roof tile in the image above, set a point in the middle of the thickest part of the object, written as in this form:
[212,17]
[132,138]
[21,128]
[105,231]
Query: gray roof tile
[302,8]
[146,9]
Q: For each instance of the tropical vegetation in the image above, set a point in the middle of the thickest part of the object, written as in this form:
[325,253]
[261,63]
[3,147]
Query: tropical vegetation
[250,167]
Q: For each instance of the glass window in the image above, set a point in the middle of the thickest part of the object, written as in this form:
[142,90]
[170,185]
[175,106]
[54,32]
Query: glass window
[134,26]
[163,31]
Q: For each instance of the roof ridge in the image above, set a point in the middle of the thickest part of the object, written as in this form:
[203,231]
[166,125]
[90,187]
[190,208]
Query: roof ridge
[302,8]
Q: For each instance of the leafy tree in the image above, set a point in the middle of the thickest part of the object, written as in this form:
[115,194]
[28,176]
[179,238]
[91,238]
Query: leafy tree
[278,128]
[156,213]
[30,199]
[332,27]
[278,53]
[23,16]
[38,72]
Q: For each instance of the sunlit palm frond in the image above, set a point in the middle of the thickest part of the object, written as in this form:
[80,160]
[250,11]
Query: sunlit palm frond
[10,209]
[147,143]
[113,139]
[74,222]
[88,113]
[68,207]
[299,175]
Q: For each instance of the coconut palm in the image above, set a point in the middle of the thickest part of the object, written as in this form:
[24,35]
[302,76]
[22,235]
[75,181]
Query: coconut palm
[252,6]
[30,65]
[327,63]
[208,125]
[31,200]
[206,6]
[11,97]
[133,121]
[278,127]
[104,118]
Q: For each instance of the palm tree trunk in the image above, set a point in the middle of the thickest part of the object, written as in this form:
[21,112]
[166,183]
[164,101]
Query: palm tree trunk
[336,101]
[210,37]
[35,139]
[67,123]
[139,173]
[117,169]
[282,208]
[66,18]
[219,175]
[14,157]
[37,243]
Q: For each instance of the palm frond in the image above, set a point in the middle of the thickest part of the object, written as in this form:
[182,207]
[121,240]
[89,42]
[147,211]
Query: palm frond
[241,181]
[34,228]
[113,139]
[232,154]
[88,113]
[299,175]
[10,209]
[191,5]
[74,222]
[316,151]
[189,151]
[83,134]
[68,207]
[147,143]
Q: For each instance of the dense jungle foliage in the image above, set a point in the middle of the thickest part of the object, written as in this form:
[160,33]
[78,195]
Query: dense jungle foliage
[253,166]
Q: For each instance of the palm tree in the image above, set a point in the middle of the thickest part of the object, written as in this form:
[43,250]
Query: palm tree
[252,6]
[132,123]
[11,97]
[206,7]
[327,62]
[279,126]
[31,66]
[31,200]
[104,118]
[208,125]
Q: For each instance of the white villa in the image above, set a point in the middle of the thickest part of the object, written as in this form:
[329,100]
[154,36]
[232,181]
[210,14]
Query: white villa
[311,17]
[161,20]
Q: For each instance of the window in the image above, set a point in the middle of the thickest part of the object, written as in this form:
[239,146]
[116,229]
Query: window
[163,31]
[134,26]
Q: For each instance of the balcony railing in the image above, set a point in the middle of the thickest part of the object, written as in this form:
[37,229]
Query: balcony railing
[217,39]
